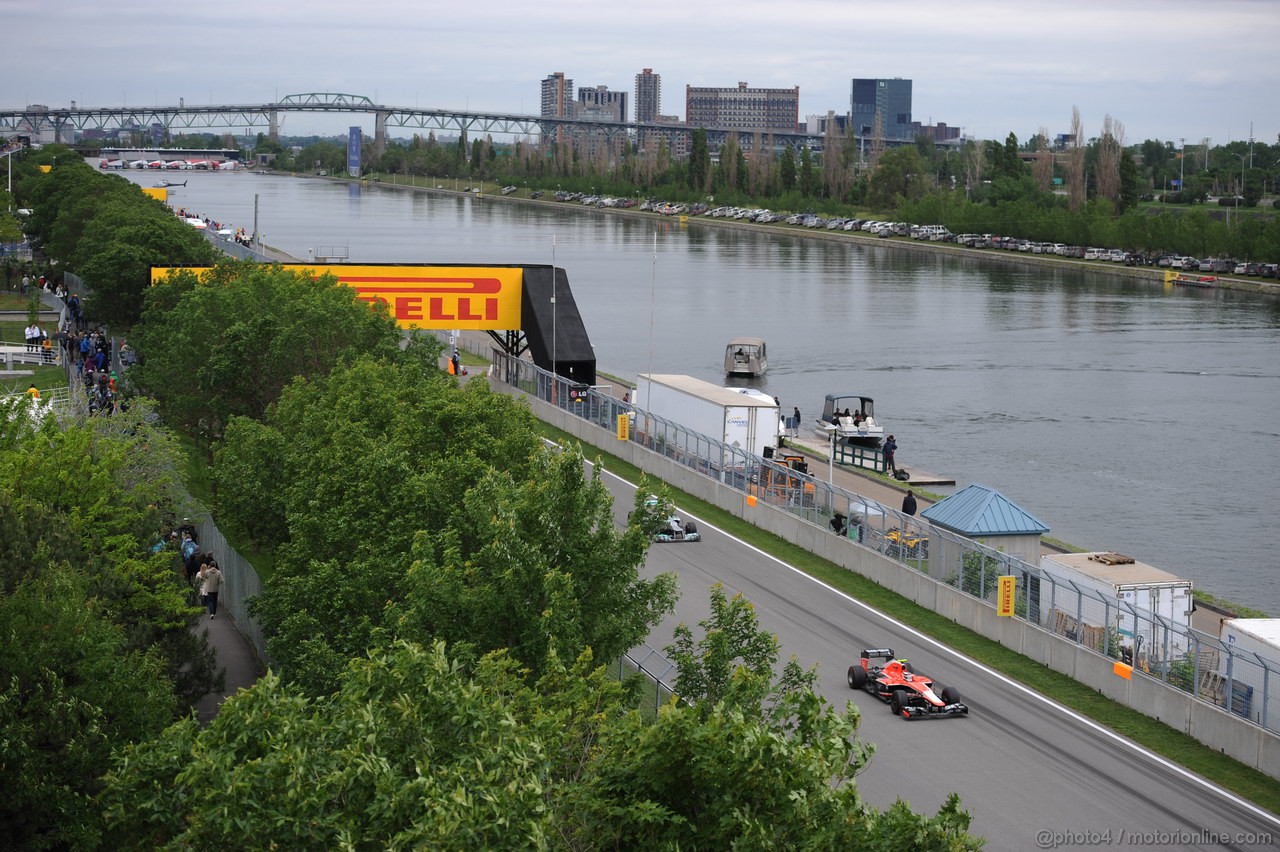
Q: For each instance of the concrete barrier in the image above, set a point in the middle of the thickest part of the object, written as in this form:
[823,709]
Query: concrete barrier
[1219,730]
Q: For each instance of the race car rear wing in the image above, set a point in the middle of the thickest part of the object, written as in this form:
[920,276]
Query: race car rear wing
[877,654]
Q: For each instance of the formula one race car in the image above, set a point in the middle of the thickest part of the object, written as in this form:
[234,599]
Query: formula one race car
[910,695]
[670,526]
[675,529]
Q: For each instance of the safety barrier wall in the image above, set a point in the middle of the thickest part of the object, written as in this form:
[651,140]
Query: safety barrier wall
[1181,693]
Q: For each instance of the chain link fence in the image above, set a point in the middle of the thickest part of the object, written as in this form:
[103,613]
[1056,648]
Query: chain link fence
[240,583]
[1162,646]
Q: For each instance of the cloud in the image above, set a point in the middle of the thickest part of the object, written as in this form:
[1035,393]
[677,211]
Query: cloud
[1177,68]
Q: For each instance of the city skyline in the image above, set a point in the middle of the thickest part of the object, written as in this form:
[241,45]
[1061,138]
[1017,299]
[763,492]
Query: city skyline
[996,68]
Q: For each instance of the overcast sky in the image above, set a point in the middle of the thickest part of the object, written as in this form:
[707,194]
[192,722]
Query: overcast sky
[1164,70]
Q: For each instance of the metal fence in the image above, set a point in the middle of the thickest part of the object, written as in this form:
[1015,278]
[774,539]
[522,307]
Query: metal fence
[1161,646]
[656,668]
[240,582]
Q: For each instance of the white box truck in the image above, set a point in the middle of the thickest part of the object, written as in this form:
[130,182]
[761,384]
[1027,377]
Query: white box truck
[1131,589]
[748,422]
[1253,667]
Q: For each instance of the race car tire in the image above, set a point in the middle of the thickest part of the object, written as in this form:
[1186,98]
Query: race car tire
[950,695]
[857,677]
[895,702]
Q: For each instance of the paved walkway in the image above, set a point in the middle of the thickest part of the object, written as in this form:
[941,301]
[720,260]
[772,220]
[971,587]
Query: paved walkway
[235,657]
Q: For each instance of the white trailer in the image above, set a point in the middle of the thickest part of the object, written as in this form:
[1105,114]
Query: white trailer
[1253,668]
[1108,591]
[747,422]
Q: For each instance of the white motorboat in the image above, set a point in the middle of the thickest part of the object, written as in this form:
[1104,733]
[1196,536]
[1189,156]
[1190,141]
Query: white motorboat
[852,418]
[745,356]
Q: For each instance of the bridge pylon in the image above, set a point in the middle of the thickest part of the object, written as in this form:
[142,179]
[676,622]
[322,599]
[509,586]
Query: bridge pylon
[380,131]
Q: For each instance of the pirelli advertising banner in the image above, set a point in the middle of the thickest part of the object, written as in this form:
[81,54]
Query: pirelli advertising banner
[1006,594]
[484,298]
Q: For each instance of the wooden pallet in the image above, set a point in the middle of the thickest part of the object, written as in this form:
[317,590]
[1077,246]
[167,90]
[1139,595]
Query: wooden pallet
[1085,634]
[1111,558]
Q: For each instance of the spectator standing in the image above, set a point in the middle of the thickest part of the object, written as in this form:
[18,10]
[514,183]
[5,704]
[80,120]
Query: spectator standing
[26,284]
[909,504]
[190,554]
[890,449]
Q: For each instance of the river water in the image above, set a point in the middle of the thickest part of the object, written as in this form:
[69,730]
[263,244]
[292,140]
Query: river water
[1124,416]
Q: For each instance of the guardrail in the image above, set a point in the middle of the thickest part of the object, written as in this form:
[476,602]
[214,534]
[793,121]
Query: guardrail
[1160,648]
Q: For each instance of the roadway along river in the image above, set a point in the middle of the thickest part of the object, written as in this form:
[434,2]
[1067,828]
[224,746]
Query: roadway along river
[1124,416]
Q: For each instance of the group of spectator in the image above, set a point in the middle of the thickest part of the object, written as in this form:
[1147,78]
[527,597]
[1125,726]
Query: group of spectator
[201,568]
[38,341]
[239,235]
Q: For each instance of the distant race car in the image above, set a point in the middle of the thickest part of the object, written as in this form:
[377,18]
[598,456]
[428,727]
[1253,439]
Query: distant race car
[675,529]
[672,527]
[910,695]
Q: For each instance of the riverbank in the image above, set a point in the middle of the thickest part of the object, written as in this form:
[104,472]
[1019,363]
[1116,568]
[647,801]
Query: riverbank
[1019,259]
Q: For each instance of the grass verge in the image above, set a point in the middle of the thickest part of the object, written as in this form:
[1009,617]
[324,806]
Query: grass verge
[1244,781]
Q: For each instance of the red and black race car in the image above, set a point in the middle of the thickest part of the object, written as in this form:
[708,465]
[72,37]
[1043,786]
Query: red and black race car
[909,694]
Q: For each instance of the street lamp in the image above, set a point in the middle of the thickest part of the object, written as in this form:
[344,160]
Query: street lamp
[1182,166]
[1242,159]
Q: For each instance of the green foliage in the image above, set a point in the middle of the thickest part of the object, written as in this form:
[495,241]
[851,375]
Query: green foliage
[413,750]
[10,230]
[111,234]
[71,689]
[409,753]
[96,645]
[92,495]
[900,173]
[228,345]
[419,509]
[699,161]
[536,566]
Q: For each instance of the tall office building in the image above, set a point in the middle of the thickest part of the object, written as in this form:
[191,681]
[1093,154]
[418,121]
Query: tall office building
[602,104]
[743,108]
[888,99]
[557,96]
[648,96]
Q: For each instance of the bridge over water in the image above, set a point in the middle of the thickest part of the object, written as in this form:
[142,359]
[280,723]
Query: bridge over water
[37,118]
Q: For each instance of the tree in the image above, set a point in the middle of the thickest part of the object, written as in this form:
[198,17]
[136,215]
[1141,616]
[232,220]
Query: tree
[787,169]
[808,174]
[410,752]
[699,161]
[1077,192]
[228,343]
[1129,188]
[437,514]
[538,567]
[899,173]
[1107,163]
[70,692]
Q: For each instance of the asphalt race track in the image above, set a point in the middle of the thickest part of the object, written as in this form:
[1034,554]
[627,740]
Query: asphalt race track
[1034,774]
